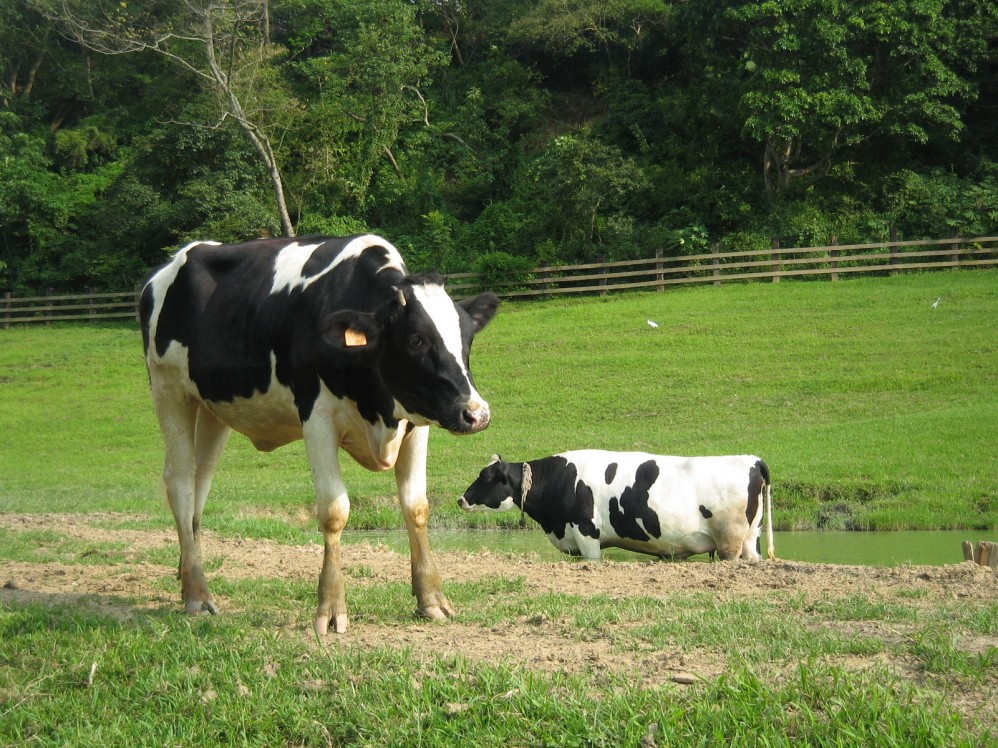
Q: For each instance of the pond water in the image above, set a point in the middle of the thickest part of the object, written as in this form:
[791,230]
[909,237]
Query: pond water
[924,548]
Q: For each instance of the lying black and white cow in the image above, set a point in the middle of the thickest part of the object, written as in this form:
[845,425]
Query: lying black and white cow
[666,506]
[324,339]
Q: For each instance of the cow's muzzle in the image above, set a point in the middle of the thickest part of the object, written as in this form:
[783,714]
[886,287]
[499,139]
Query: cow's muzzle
[474,417]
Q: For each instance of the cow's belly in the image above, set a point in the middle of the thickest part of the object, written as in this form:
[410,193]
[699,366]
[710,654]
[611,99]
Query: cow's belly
[265,418]
[567,542]
[682,531]
[669,545]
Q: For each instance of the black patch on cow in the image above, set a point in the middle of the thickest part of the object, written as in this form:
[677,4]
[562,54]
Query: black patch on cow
[633,506]
[321,257]
[558,499]
[585,510]
[707,514]
[758,478]
[611,472]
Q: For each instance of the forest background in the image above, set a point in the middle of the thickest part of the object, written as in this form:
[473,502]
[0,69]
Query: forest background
[486,134]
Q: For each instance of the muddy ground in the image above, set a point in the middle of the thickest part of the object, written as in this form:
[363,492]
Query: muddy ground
[535,641]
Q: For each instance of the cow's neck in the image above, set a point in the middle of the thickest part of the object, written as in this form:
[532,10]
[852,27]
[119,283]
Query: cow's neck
[540,500]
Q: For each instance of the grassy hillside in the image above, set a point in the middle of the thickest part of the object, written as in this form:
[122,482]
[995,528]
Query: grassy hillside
[873,409]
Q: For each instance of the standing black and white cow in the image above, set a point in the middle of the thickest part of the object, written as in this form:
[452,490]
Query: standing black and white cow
[324,339]
[665,506]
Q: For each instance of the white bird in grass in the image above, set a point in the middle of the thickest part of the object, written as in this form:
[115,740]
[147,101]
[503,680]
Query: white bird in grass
[652,324]
[936,302]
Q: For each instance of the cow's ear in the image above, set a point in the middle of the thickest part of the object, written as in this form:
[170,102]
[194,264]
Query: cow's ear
[481,308]
[352,331]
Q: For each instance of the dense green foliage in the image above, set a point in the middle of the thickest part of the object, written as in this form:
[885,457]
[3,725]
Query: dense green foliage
[479,133]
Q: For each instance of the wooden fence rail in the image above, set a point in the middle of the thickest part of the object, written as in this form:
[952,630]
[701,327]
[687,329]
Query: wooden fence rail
[86,307]
[772,264]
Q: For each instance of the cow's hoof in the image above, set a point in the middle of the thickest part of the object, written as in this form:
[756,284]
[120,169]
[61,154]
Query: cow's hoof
[322,626]
[196,607]
[435,613]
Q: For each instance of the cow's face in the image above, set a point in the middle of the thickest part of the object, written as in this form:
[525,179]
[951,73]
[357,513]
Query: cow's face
[421,342]
[496,489]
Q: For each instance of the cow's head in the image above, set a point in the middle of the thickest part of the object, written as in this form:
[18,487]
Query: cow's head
[497,488]
[420,342]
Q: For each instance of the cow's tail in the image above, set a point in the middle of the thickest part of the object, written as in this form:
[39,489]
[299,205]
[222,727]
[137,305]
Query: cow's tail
[770,548]
[767,485]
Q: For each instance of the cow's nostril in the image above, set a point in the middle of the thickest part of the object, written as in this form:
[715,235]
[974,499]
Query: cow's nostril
[473,418]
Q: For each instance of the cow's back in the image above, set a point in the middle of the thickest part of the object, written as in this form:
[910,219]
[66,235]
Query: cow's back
[240,315]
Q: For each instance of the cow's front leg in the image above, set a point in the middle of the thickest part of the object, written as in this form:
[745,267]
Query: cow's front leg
[410,475]
[332,511]
[589,548]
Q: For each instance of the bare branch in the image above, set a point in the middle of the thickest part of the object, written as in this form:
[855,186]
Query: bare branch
[391,158]
[220,42]
[426,108]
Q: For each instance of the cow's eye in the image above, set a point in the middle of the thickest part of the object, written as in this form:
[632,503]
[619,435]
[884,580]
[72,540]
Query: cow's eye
[416,342]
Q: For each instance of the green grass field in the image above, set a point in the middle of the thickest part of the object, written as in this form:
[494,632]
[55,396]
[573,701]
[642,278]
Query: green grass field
[169,680]
[873,410]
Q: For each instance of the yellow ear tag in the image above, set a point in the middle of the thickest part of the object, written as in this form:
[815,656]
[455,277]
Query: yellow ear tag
[354,338]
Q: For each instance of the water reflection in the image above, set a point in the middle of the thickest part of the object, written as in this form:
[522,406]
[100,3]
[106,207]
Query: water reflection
[930,548]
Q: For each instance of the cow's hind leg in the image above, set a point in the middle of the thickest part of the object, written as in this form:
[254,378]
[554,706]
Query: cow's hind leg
[410,475]
[210,438]
[177,415]
[730,540]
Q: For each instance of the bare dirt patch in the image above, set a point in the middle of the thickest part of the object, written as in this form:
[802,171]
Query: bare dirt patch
[533,641]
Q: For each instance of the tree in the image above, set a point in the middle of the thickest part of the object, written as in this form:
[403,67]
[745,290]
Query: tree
[224,44]
[362,67]
[817,78]
[564,27]
[577,190]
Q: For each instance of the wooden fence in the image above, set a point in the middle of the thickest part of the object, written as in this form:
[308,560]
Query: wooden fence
[85,307]
[773,264]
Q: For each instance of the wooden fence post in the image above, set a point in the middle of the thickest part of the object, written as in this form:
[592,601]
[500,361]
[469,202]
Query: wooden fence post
[659,277]
[138,297]
[778,264]
[6,310]
[602,283]
[92,303]
[833,253]
[894,249]
[984,553]
[49,292]
[716,263]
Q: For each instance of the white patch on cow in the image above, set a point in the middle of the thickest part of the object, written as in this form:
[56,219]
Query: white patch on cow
[290,264]
[440,308]
[162,281]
